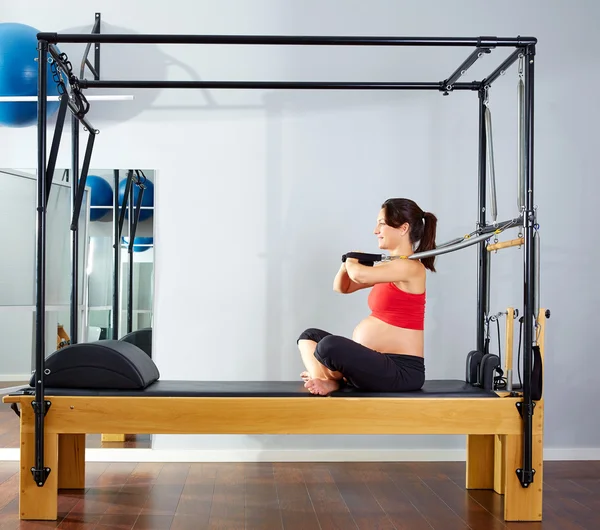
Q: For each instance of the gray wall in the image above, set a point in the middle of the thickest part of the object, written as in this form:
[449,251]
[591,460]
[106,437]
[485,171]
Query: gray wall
[279,185]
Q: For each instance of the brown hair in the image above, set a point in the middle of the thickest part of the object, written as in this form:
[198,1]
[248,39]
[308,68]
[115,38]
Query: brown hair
[423,225]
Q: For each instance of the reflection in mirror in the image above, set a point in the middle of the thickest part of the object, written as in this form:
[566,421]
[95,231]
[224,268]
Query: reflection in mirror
[17,267]
[114,309]
[115,282]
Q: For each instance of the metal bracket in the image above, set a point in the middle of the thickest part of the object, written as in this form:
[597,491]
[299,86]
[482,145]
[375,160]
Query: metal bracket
[40,475]
[45,409]
[520,405]
[526,479]
[15,409]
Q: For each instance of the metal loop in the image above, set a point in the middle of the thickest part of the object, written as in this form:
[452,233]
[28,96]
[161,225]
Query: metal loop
[521,65]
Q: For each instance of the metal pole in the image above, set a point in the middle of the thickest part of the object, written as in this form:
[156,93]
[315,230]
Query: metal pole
[116,257]
[482,266]
[39,472]
[278,85]
[130,257]
[529,220]
[288,40]
[74,231]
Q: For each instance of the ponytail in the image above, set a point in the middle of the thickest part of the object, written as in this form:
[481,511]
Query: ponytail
[428,240]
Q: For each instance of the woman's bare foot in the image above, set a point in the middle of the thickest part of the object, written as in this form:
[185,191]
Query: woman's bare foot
[305,376]
[321,387]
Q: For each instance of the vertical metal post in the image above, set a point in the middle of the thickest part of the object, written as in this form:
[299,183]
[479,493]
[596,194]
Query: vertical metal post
[116,257]
[482,255]
[39,472]
[74,232]
[130,256]
[526,473]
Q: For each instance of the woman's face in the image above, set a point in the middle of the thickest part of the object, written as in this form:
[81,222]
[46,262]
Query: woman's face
[388,237]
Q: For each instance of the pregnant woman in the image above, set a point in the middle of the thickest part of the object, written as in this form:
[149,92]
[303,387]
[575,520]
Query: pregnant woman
[385,353]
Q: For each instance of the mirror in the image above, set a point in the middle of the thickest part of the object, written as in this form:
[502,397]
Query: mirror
[115,289]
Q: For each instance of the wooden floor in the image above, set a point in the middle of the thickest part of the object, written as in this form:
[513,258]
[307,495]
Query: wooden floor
[320,496]
[409,496]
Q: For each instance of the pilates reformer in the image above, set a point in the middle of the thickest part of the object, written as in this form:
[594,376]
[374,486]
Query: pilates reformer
[114,386]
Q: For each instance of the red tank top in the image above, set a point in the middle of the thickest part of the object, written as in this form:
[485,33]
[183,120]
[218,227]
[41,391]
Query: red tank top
[397,307]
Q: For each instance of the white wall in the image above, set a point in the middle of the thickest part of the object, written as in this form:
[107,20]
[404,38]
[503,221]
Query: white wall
[261,192]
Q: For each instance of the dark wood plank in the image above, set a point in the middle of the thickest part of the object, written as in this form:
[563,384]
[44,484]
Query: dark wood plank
[163,496]
[9,490]
[437,513]
[401,512]
[193,510]
[262,502]
[227,509]
[295,505]
[330,507]
[366,511]
[461,503]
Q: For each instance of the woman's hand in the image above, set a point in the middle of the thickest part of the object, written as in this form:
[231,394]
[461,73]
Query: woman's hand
[353,268]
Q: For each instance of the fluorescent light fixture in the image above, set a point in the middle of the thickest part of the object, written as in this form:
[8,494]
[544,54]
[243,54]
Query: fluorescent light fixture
[55,98]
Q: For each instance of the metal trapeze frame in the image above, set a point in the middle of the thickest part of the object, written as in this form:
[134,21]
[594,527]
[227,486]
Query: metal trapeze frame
[524,50]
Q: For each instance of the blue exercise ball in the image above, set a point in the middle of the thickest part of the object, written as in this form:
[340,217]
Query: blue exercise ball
[147,199]
[140,244]
[101,197]
[19,75]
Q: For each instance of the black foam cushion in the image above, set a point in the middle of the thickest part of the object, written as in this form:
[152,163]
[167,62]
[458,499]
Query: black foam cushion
[104,364]
[432,388]
[142,338]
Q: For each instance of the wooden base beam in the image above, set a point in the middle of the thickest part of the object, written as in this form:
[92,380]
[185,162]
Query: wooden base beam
[113,438]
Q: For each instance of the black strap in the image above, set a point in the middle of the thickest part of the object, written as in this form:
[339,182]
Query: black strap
[536,375]
[363,257]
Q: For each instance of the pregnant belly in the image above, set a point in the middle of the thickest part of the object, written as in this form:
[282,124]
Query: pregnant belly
[377,335]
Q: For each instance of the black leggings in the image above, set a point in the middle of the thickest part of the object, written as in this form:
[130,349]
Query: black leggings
[364,368]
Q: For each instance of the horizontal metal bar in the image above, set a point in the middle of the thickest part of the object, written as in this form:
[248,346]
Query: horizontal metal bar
[503,67]
[289,85]
[504,225]
[286,40]
[450,248]
[104,97]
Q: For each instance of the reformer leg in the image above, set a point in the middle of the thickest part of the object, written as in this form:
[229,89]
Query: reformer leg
[71,461]
[523,504]
[500,463]
[480,461]
[35,502]
[486,462]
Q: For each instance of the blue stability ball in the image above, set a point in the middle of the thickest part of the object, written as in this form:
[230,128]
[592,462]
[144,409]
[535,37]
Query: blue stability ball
[147,200]
[19,75]
[140,244]
[101,194]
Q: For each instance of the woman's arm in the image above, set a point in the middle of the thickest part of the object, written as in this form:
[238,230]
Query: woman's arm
[400,270]
[342,283]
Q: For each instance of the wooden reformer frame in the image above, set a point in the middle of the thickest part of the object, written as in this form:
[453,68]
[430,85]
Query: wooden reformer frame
[493,429]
